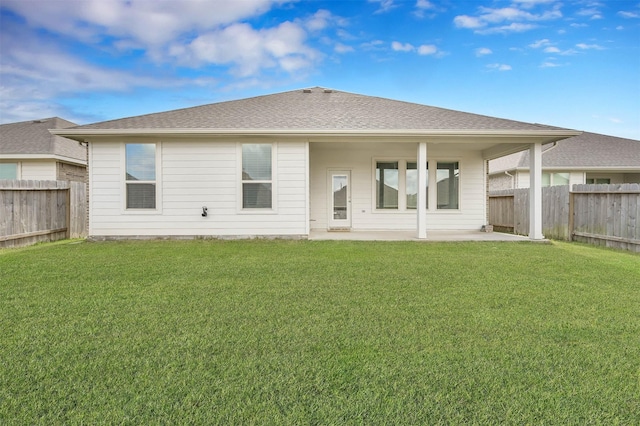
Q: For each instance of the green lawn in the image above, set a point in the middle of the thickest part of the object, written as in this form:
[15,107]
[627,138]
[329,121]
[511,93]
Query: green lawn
[299,332]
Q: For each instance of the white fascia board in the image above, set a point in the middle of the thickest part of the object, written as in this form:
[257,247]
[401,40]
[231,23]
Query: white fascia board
[506,136]
[43,157]
[599,169]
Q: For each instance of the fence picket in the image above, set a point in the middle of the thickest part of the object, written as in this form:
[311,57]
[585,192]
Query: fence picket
[604,215]
[34,211]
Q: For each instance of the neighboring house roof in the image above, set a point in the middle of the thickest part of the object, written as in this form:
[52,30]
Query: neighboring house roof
[588,151]
[32,139]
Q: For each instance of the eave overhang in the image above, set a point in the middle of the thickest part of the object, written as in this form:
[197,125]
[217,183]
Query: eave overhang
[56,157]
[585,169]
[551,135]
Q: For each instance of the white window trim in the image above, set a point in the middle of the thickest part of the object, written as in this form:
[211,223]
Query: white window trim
[123,181]
[432,192]
[402,184]
[434,162]
[273,181]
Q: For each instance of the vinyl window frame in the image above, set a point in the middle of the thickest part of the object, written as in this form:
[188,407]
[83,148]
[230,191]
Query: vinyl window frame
[273,181]
[157,181]
[437,162]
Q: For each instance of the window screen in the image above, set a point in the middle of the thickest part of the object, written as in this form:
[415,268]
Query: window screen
[257,177]
[141,175]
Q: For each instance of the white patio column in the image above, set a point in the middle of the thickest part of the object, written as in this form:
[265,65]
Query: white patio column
[421,209]
[535,192]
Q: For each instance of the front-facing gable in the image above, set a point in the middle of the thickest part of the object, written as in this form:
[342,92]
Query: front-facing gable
[287,163]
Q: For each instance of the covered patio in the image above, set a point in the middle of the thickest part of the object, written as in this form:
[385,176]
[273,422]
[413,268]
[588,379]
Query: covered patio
[318,235]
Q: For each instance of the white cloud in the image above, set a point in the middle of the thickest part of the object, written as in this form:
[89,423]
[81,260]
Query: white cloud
[35,72]
[319,21]
[482,51]
[402,47]
[514,27]
[540,43]
[373,45]
[424,4]
[517,18]
[248,50]
[549,64]
[343,48]
[548,47]
[427,49]
[532,3]
[194,33]
[592,13]
[630,15]
[585,46]
[499,67]
[148,24]
[423,50]
[322,20]
[465,21]
[385,5]
[425,8]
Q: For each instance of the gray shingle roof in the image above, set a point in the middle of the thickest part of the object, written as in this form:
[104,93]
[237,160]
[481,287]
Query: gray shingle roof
[316,109]
[588,150]
[33,137]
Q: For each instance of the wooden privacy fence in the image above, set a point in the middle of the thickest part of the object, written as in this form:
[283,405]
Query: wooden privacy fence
[35,211]
[597,214]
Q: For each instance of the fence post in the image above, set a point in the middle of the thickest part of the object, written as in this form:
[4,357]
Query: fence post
[571,213]
[68,213]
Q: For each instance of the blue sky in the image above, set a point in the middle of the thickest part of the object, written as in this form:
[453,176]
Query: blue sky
[573,64]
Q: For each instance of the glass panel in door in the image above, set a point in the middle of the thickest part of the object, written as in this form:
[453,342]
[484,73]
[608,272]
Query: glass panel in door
[340,215]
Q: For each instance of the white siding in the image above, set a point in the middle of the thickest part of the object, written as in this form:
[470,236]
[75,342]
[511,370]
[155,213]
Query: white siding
[574,177]
[614,178]
[38,170]
[194,174]
[359,159]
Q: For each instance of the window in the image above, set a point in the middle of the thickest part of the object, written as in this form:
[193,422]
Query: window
[140,176]
[448,183]
[8,170]
[554,179]
[561,178]
[412,185]
[598,181]
[257,176]
[387,175]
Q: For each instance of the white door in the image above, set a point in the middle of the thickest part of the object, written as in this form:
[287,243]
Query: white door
[340,199]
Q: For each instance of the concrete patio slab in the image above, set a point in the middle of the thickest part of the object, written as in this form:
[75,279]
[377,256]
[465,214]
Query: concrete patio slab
[411,236]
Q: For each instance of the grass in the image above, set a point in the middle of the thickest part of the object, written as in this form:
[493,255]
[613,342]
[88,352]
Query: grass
[298,332]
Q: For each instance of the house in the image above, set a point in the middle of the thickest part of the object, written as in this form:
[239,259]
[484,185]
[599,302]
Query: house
[288,163]
[586,158]
[29,152]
